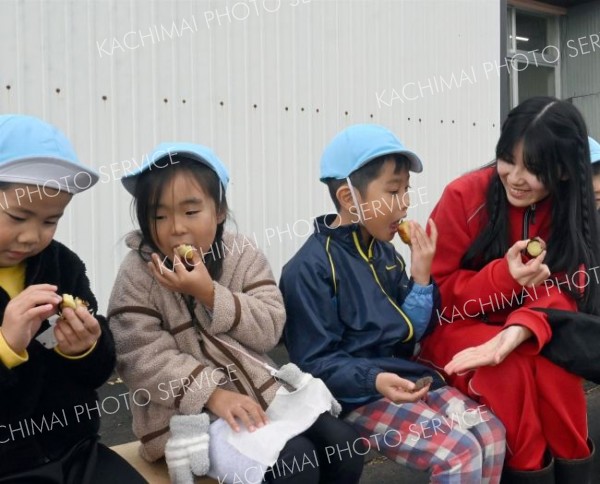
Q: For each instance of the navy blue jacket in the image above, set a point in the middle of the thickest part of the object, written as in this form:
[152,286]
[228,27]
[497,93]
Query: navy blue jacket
[349,314]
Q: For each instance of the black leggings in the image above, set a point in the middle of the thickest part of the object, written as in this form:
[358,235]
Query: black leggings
[329,452]
[89,462]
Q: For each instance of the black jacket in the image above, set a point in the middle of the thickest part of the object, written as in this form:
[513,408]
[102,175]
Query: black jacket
[48,403]
[574,343]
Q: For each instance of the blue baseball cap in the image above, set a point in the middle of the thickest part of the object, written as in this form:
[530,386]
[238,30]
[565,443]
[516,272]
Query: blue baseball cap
[157,159]
[33,152]
[359,144]
[594,149]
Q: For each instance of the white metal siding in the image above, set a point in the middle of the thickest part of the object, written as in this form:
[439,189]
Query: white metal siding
[303,66]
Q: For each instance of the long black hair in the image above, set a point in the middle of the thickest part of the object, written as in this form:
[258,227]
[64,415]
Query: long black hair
[148,190]
[556,151]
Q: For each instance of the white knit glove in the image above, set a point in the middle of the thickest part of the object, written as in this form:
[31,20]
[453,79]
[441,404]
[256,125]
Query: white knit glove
[186,452]
[293,376]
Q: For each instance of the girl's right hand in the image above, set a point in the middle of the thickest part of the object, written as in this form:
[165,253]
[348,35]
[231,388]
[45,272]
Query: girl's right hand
[531,273]
[196,283]
[231,405]
[25,313]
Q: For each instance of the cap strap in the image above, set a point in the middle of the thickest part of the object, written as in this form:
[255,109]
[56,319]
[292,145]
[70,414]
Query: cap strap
[354,199]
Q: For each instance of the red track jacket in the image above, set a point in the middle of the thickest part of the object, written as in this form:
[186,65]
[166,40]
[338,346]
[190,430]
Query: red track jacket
[476,305]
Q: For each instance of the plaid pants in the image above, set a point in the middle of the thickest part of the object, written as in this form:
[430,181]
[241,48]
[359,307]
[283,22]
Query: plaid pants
[433,435]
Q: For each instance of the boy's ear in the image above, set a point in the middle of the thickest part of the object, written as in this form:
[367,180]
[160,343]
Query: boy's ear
[344,197]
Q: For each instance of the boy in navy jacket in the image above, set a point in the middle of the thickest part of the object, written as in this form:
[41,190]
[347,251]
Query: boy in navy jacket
[354,316]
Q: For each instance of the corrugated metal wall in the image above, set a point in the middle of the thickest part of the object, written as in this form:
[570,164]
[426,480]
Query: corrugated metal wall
[265,83]
[581,61]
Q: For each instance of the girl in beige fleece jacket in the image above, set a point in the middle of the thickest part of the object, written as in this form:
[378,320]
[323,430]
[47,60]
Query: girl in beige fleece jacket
[194,309]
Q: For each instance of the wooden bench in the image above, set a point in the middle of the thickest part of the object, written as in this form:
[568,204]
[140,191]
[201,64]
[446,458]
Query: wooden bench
[153,472]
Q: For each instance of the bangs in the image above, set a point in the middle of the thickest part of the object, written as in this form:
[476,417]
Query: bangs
[539,154]
[550,158]
[154,187]
[544,154]
[401,163]
[197,174]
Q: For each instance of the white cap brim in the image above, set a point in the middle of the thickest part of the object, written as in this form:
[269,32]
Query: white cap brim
[47,172]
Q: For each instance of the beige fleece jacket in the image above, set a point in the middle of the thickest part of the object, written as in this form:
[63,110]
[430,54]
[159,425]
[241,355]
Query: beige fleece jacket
[170,365]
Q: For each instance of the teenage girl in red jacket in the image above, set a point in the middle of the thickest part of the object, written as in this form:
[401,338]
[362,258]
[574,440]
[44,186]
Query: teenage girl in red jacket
[489,338]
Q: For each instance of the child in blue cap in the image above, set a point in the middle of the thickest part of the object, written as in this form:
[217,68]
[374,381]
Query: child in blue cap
[49,367]
[354,317]
[595,158]
[194,310]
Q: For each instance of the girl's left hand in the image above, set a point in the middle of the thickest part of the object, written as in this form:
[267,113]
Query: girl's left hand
[491,353]
[77,331]
[196,283]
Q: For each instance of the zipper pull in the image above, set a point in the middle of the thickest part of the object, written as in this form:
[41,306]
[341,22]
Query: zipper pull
[533,214]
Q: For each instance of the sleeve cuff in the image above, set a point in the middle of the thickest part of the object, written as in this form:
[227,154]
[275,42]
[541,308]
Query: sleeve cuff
[371,379]
[191,401]
[422,290]
[76,357]
[9,358]
[226,312]
[540,329]
[502,278]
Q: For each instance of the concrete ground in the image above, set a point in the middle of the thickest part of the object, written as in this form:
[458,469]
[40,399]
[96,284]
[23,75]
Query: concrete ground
[116,429]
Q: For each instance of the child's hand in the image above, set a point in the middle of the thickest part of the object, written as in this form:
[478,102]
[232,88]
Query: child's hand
[231,405]
[196,282]
[76,331]
[491,353]
[397,389]
[531,273]
[25,313]
[422,249]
